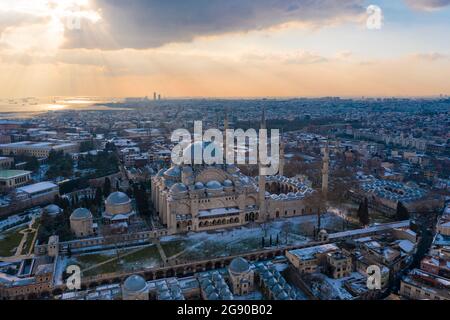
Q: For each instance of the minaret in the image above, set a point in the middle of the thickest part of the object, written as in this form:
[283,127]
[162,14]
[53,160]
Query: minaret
[281,165]
[262,178]
[325,170]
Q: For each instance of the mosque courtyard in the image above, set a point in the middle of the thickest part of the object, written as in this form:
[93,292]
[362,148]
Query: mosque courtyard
[178,249]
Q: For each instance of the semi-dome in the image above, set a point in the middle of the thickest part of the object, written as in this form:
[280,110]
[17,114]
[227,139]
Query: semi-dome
[80,214]
[214,185]
[135,283]
[117,198]
[178,188]
[173,172]
[199,186]
[52,210]
[228,183]
[160,173]
[239,265]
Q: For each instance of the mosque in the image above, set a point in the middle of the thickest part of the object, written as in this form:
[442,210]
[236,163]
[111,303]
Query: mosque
[117,215]
[207,197]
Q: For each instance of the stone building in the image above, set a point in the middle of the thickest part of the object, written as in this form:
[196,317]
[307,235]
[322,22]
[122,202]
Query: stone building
[204,197]
[340,264]
[81,222]
[242,277]
[118,210]
[135,288]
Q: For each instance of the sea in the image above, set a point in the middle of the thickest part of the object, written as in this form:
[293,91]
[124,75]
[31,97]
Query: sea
[22,108]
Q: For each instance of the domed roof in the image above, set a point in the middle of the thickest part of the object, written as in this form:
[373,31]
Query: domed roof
[195,151]
[178,188]
[160,173]
[117,198]
[81,213]
[188,170]
[199,186]
[239,265]
[173,172]
[134,283]
[214,185]
[228,183]
[52,209]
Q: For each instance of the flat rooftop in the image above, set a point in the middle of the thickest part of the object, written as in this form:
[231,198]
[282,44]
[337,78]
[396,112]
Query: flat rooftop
[10,174]
[37,187]
[36,145]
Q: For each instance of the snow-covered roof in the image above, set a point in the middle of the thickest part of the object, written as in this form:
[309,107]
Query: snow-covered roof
[37,187]
[218,212]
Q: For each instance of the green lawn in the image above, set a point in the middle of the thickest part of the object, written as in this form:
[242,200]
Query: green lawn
[9,242]
[92,259]
[173,247]
[142,258]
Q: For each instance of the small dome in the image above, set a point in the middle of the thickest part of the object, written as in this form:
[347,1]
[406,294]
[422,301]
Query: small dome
[178,188]
[188,170]
[228,183]
[214,296]
[134,283]
[214,185]
[81,213]
[239,265]
[52,210]
[173,172]
[160,173]
[199,186]
[232,169]
[323,231]
[117,198]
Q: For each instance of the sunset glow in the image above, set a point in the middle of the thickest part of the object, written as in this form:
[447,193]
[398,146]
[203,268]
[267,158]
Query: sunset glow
[79,47]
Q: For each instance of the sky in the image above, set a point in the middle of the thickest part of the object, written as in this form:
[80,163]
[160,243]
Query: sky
[218,48]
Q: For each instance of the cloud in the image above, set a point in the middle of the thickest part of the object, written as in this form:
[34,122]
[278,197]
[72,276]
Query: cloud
[297,57]
[432,56]
[8,20]
[144,24]
[428,5]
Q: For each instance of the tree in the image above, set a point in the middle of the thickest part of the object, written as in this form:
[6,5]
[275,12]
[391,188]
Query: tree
[140,196]
[86,146]
[402,212]
[286,229]
[98,197]
[107,187]
[363,212]
[60,165]
[32,164]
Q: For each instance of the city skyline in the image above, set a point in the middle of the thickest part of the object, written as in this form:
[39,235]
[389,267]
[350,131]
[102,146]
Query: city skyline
[228,50]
